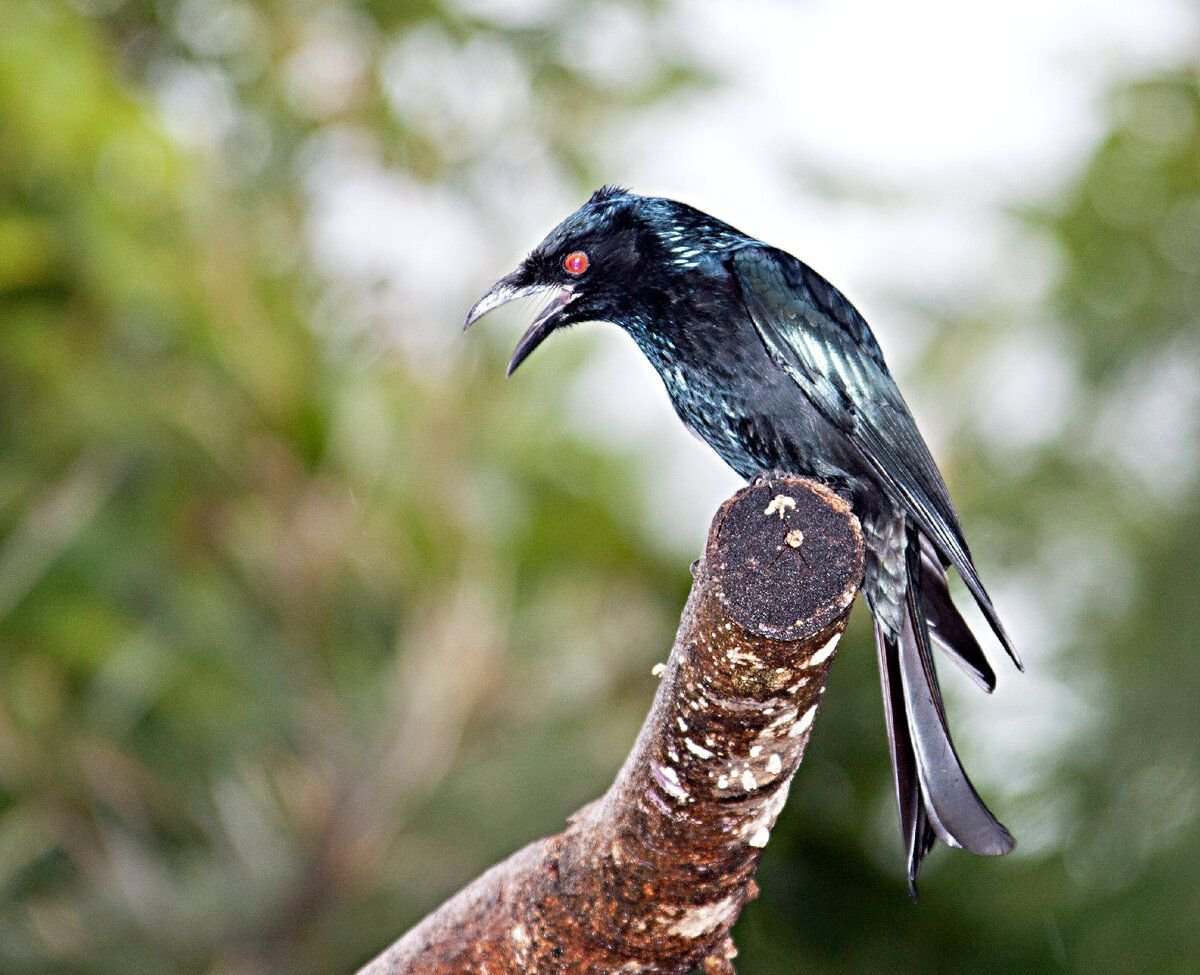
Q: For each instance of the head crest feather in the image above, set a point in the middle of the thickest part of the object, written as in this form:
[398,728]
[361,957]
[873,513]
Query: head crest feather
[608,192]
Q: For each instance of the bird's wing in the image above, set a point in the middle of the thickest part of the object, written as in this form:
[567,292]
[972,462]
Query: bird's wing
[825,345]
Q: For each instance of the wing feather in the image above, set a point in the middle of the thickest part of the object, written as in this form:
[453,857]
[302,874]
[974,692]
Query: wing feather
[825,345]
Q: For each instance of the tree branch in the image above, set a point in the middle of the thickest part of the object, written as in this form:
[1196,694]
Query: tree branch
[651,877]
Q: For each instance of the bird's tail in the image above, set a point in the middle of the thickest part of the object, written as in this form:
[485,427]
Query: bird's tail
[936,799]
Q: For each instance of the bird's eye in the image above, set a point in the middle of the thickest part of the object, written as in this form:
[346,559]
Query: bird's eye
[575,263]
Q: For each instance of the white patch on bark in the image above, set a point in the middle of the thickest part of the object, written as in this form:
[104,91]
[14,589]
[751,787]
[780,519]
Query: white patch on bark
[825,652]
[769,812]
[784,720]
[738,656]
[670,782]
[804,723]
[699,921]
[780,505]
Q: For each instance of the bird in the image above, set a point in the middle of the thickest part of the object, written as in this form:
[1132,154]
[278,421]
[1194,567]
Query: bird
[775,369]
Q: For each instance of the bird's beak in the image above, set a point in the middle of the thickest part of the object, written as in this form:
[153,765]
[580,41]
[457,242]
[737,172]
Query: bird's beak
[510,288]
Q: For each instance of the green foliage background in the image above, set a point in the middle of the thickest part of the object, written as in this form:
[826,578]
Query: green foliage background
[296,636]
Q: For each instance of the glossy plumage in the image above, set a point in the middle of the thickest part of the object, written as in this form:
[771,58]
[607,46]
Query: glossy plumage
[770,365]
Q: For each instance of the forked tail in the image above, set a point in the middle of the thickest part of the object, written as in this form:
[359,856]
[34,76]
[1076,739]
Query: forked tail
[936,799]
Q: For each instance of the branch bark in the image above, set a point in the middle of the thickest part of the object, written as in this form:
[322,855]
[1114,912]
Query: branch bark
[651,877]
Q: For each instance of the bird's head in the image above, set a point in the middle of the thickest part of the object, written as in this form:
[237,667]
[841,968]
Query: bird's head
[606,262]
[584,267]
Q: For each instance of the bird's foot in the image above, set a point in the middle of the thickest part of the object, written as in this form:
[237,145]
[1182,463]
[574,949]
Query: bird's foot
[766,477]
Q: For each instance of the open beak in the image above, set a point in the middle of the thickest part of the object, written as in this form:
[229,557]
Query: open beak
[510,288]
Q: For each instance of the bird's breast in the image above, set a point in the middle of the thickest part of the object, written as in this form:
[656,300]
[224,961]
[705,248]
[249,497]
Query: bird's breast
[737,400]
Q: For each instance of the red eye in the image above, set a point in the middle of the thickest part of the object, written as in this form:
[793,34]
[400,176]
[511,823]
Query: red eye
[576,262]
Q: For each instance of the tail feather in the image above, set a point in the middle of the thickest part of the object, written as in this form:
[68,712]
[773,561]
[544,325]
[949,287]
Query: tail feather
[954,549]
[916,832]
[954,808]
[947,626]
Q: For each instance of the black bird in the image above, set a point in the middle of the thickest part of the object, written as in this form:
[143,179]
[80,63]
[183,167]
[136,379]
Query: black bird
[770,365]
